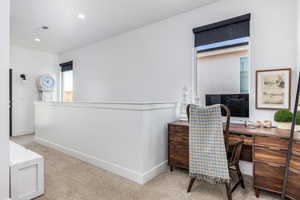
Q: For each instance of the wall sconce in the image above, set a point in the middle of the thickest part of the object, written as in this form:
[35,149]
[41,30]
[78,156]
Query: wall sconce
[23,77]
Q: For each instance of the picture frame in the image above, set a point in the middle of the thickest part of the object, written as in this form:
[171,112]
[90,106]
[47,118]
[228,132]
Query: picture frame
[273,89]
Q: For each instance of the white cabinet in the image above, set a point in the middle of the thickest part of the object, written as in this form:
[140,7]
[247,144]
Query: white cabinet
[26,173]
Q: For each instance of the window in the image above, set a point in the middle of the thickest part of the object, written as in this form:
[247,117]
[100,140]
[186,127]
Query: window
[244,75]
[221,58]
[67,76]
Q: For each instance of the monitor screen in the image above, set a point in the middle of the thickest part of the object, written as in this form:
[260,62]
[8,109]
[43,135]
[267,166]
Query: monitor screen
[238,104]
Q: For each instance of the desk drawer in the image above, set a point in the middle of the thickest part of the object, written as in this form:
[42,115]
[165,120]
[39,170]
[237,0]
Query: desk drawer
[295,163]
[272,142]
[296,148]
[293,186]
[179,155]
[268,176]
[177,128]
[268,154]
[179,137]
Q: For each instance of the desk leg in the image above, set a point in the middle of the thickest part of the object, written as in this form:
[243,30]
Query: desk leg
[257,192]
[171,168]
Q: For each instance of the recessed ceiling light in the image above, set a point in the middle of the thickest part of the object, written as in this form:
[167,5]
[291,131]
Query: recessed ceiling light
[44,28]
[81,16]
[37,39]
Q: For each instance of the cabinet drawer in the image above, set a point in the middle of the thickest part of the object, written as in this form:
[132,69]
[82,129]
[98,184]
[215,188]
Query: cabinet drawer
[180,156]
[296,148]
[177,128]
[268,154]
[268,176]
[272,142]
[293,186]
[179,137]
[295,162]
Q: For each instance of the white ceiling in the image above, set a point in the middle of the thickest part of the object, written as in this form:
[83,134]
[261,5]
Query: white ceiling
[104,18]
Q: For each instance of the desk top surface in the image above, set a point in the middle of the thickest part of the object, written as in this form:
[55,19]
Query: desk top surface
[250,131]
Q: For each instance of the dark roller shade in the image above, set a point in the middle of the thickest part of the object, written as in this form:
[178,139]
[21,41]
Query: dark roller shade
[230,29]
[68,66]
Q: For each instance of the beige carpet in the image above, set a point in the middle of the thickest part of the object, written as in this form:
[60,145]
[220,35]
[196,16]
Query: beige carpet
[67,178]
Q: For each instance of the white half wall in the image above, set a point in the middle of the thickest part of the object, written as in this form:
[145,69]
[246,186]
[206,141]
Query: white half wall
[4,130]
[32,64]
[154,63]
[129,139]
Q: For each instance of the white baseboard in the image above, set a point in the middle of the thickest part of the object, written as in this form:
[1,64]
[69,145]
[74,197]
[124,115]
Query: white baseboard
[137,177]
[19,133]
[155,171]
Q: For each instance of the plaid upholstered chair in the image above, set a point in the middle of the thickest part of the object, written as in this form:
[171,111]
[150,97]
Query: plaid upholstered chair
[211,154]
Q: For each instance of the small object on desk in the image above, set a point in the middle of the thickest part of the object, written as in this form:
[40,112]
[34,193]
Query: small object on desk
[258,123]
[283,119]
[297,128]
[184,103]
[267,123]
[246,123]
[284,125]
[251,124]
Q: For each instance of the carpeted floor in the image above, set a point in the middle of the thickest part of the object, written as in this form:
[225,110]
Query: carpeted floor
[67,178]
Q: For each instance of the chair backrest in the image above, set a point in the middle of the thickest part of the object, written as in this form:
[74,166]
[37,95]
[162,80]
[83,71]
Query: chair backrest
[207,143]
[227,124]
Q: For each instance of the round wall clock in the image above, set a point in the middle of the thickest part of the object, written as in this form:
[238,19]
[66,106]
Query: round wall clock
[46,83]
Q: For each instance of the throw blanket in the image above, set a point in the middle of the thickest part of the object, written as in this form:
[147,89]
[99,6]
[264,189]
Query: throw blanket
[208,160]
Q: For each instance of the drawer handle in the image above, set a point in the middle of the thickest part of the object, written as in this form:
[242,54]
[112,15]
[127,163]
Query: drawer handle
[273,165]
[295,171]
[275,148]
[296,153]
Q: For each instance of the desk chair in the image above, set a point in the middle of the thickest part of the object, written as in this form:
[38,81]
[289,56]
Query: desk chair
[203,122]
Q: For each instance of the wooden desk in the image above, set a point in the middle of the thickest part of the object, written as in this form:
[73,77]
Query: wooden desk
[265,147]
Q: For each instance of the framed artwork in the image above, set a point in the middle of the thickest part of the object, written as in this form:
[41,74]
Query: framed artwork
[273,89]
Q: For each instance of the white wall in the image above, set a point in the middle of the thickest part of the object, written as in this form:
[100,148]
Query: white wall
[211,81]
[32,64]
[155,61]
[298,34]
[4,133]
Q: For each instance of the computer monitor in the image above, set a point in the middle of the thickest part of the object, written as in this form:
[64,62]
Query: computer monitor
[238,104]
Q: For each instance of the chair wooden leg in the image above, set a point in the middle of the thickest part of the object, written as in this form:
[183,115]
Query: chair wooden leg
[257,192]
[171,168]
[191,184]
[229,196]
[240,176]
